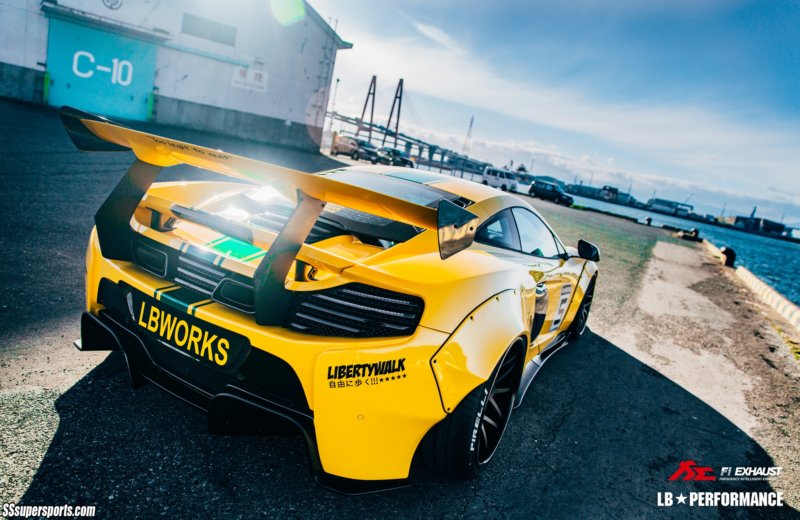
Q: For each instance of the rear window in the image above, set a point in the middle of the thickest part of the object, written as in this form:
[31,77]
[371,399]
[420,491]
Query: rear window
[370,229]
[409,191]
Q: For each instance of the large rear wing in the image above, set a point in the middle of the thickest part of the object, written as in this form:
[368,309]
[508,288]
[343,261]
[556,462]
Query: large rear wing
[455,226]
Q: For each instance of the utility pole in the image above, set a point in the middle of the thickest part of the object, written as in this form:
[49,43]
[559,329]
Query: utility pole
[333,106]
[370,97]
[398,100]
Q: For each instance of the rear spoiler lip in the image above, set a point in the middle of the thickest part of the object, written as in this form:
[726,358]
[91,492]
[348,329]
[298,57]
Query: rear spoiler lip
[81,136]
[455,226]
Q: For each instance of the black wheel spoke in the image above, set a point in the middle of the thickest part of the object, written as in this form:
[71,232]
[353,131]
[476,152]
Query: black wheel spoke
[496,413]
[504,375]
[495,405]
[582,319]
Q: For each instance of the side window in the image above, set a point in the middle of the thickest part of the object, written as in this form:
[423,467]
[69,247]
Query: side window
[499,231]
[535,237]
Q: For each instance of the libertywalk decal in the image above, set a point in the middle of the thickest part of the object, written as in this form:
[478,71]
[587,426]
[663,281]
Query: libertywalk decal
[355,375]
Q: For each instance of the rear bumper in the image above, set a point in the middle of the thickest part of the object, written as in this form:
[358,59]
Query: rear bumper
[226,403]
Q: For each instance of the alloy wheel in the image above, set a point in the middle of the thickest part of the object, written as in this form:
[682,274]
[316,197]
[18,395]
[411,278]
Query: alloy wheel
[497,410]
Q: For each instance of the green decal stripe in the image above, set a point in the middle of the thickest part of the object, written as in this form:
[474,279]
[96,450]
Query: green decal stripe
[216,240]
[180,299]
[253,257]
[159,289]
[157,293]
[193,308]
[235,248]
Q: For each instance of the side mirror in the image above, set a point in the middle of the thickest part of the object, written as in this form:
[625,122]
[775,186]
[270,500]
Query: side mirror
[588,251]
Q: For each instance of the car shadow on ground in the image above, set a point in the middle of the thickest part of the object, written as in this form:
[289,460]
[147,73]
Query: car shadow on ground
[597,436]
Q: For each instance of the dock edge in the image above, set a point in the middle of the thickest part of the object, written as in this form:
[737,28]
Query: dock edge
[767,294]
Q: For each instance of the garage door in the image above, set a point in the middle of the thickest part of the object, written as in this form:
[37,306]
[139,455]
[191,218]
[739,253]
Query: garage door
[99,71]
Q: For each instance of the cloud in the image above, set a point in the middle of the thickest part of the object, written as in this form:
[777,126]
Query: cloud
[437,35]
[680,141]
[583,168]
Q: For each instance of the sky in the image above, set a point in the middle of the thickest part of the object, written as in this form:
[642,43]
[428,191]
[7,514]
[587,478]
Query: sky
[685,99]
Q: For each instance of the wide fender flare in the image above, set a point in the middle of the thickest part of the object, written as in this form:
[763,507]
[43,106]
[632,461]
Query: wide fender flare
[471,353]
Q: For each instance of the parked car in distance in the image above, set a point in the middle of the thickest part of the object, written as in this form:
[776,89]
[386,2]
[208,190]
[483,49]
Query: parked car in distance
[344,145]
[394,157]
[366,152]
[549,191]
[524,182]
[357,149]
[499,178]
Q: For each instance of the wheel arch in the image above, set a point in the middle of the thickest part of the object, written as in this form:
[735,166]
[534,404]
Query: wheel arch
[469,356]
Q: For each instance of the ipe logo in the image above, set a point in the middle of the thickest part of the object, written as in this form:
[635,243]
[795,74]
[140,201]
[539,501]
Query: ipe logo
[689,470]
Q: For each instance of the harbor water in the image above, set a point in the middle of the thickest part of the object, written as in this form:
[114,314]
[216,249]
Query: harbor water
[776,262]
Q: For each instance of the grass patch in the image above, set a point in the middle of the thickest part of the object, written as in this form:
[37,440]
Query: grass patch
[625,248]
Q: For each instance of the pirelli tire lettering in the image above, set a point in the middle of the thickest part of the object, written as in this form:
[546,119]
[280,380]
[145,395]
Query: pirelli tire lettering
[474,440]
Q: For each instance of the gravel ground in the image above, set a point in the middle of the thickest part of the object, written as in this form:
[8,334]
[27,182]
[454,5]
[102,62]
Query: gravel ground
[602,428]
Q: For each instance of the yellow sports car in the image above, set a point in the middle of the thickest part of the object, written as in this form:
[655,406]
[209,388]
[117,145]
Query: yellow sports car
[386,312]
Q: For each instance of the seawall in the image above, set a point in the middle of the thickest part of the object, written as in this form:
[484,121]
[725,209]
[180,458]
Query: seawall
[767,294]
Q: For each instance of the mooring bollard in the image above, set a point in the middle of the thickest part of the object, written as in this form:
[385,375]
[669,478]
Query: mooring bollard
[729,254]
[648,221]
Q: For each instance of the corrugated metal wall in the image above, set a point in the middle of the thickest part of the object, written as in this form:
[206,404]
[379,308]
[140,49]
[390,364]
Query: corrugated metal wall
[217,64]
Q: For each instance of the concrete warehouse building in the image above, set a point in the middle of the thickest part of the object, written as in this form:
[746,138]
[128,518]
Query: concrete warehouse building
[256,69]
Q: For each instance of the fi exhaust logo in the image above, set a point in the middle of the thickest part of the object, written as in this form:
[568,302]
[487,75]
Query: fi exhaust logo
[689,470]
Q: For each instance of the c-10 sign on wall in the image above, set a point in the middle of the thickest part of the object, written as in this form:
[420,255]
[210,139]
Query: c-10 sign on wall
[99,71]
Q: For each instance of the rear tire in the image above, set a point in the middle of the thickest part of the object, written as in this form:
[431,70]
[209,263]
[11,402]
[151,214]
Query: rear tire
[578,326]
[464,443]
[354,156]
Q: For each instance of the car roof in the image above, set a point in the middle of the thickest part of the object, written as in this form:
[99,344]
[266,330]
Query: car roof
[487,200]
